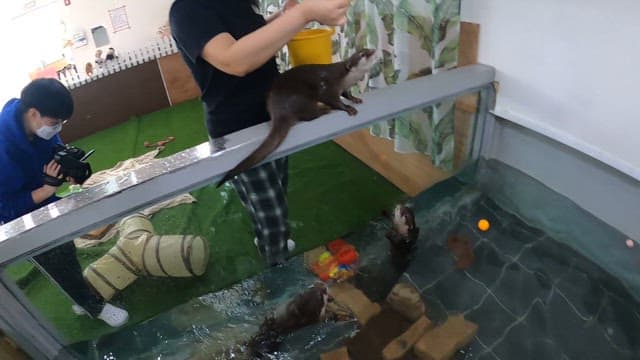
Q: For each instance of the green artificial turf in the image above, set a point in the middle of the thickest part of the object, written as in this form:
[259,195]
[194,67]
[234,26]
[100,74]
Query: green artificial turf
[330,193]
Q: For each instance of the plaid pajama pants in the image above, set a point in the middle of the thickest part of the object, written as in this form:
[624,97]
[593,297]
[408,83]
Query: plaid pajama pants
[263,192]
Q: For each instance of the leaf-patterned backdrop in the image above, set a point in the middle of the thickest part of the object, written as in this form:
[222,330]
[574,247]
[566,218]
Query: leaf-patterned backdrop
[415,38]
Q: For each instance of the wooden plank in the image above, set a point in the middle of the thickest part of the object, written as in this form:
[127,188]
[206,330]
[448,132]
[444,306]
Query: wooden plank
[9,350]
[462,137]
[411,173]
[469,39]
[468,55]
[339,354]
[468,103]
[442,342]
[178,80]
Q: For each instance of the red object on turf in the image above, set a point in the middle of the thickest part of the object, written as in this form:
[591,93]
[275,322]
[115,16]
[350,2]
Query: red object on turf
[335,246]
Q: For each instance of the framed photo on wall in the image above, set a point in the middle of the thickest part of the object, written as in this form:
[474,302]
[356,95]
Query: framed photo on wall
[100,36]
[119,19]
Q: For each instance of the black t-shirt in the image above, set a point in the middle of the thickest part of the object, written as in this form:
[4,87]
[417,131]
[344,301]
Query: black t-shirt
[231,103]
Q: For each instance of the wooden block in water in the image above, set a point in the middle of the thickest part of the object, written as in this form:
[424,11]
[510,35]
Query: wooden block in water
[339,354]
[405,299]
[354,299]
[401,345]
[442,342]
[380,330]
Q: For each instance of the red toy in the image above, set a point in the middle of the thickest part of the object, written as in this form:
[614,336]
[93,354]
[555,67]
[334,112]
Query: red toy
[338,263]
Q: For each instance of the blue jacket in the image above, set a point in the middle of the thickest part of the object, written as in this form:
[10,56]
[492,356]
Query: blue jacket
[21,164]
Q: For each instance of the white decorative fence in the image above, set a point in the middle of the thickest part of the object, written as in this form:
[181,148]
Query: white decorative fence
[74,78]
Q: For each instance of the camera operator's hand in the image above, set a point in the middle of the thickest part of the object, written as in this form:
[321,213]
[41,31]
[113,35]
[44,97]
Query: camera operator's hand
[52,169]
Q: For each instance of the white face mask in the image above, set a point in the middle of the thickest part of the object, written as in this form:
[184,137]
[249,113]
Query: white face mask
[47,132]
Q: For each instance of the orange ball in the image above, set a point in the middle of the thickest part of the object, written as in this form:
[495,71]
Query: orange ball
[483,225]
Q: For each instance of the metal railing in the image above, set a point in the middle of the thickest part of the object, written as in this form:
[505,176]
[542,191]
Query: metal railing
[193,168]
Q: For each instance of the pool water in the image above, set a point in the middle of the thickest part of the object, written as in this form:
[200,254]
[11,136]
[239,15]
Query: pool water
[532,297]
[532,294]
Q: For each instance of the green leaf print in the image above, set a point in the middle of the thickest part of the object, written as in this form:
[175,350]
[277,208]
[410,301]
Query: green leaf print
[433,25]
[449,55]
[418,25]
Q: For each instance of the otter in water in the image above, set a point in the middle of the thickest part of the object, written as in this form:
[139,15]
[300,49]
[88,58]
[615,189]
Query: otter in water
[402,237]
[305,93]
[376,279]
[404,233]
[307,308]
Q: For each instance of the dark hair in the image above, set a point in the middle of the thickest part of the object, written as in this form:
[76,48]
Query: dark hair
[49,97]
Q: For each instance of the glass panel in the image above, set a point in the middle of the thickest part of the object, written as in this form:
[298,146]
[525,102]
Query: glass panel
[508,271]
[207,232]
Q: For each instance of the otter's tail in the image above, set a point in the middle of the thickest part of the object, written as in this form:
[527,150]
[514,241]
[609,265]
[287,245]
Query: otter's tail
[279,130]
[266,342]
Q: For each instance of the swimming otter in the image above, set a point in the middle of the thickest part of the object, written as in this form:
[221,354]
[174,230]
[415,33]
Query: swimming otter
[307,308]
[404,234]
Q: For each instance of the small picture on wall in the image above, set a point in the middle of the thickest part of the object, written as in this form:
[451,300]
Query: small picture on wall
[79,40]
[100,36]
[119,19]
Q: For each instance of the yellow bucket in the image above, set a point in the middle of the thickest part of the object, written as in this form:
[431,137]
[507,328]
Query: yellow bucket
[311,46]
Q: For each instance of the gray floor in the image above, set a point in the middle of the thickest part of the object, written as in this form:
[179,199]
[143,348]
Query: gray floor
[532,297]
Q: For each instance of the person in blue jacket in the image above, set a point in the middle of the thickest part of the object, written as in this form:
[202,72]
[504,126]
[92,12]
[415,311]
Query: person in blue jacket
[29,129]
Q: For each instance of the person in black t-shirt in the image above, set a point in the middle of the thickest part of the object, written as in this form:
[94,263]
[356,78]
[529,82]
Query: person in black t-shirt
[230,50]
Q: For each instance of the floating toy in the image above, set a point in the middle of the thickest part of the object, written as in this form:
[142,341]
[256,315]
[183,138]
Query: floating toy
[337,263]
[630,243]
[483,225]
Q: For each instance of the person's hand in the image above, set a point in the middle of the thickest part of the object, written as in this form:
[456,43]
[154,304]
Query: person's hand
[71,181]
[326,12]
[53,169]
[289,5]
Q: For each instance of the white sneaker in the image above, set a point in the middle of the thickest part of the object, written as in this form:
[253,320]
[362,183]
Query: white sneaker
[78,310]
[291,245]
[113,316]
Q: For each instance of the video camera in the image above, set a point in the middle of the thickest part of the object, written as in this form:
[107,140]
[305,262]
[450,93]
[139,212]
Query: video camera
[72,161]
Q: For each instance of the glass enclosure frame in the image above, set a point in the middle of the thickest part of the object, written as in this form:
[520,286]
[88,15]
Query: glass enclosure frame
[79,213]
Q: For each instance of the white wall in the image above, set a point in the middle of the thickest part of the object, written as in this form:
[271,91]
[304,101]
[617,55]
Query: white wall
[22,40]
[567,69]
[145,17]
[28,36]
